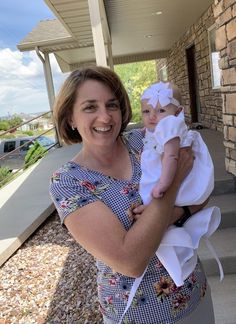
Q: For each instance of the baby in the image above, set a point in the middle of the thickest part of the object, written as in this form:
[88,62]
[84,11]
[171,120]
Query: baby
[160,101]
[166,131]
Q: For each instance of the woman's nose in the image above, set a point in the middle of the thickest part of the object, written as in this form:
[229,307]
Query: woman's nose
[104,115]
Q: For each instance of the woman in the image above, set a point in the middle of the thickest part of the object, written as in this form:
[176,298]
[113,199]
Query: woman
[96,195]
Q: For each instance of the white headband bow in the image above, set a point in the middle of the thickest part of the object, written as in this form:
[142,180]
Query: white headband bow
[160,92]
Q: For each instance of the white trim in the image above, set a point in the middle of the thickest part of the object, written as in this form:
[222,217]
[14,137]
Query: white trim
[214,87]
[164,67]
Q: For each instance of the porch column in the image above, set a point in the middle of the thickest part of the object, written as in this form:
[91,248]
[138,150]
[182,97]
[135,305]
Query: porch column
[49,84]
[48,76]
[110,57]
[97,30]
[225,14]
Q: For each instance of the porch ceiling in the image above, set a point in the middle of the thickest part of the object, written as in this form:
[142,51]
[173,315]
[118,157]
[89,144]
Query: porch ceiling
[137,29]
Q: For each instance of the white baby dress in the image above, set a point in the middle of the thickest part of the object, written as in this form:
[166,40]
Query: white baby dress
[198,185]
[177,250]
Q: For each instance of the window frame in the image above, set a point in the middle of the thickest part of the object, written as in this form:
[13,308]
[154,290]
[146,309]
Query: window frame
[163,68]
[215,86]
[9,146]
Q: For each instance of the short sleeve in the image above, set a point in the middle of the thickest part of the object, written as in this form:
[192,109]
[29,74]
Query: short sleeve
[170,127]
[134,139]
[69,193]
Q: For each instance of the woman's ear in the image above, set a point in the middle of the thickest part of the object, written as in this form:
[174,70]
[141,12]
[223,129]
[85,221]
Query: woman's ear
[72,125]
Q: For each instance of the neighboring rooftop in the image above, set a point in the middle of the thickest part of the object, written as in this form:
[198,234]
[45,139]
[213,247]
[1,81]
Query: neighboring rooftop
[46,31]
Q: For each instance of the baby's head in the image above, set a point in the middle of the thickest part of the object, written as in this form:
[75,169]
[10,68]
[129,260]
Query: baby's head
[158,101]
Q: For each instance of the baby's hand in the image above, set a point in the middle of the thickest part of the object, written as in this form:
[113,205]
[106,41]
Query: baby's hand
[159,190]
[137,212]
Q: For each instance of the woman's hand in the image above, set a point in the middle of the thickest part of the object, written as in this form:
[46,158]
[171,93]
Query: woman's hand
[179,212]
[185,163]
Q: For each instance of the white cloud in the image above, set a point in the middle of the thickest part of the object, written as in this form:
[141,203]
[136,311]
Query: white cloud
[22,83]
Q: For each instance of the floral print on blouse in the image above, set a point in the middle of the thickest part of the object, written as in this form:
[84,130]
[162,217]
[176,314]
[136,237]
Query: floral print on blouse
[157,299]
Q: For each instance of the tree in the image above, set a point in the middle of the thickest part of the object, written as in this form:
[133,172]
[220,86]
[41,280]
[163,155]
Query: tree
[136,77]
[15,121]
[4,125]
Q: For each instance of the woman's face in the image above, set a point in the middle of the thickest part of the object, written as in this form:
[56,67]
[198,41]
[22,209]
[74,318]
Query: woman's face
[96,114]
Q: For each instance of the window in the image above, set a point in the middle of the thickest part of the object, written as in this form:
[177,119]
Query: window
[163,74]
[214,58]
[45,141]
[9,146]
[27,146]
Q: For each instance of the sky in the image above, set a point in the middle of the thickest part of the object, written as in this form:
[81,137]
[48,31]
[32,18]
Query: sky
[22,83]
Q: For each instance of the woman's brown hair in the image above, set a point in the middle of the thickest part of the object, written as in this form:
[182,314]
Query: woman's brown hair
[63,107]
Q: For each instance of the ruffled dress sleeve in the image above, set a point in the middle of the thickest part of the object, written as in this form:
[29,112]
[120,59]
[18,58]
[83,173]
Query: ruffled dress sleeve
[169,128]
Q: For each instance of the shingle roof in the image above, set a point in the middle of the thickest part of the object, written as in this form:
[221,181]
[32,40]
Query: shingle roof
[45,31]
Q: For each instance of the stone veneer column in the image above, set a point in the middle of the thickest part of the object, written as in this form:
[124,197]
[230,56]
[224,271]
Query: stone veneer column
[225,14]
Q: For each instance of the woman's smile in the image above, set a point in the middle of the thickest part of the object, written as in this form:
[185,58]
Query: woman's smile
[103,129]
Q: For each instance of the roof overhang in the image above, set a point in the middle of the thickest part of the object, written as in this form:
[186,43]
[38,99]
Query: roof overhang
[137,30]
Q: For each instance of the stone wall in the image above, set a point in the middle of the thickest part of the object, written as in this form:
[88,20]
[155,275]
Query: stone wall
[210,100]
[225,15]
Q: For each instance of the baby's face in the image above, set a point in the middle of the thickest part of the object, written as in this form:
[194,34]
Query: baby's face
[151,116]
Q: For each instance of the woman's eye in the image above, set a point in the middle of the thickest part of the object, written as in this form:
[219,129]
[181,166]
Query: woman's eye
[90,108]
[113,106]
[146,111]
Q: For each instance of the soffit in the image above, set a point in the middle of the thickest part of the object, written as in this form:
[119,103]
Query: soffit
[137,31]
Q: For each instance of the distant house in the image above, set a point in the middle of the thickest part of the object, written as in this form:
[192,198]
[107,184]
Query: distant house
[41,123]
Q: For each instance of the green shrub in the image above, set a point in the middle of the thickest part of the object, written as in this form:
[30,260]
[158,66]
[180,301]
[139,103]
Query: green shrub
[5,173]
[35,153]
[29,133]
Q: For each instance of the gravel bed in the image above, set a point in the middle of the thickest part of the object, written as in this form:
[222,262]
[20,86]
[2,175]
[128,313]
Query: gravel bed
[50,279]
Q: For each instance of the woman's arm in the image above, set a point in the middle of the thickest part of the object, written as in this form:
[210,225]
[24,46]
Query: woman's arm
[100,232]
